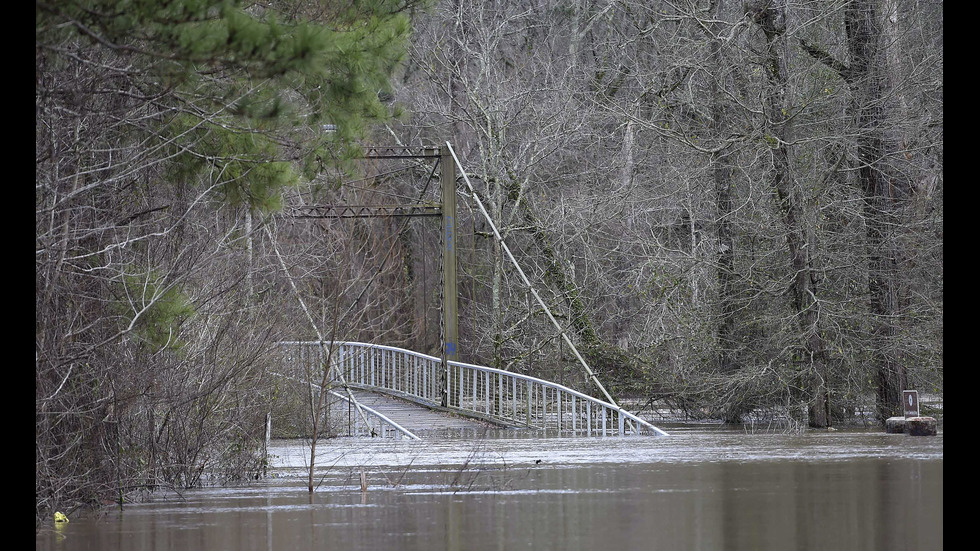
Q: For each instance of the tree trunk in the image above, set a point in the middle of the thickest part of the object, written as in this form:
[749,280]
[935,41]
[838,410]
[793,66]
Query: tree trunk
[771,18]
[882,193]
[721,174]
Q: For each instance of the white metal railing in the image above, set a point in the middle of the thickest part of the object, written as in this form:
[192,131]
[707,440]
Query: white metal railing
[472,390]
[375,423]
[367,421]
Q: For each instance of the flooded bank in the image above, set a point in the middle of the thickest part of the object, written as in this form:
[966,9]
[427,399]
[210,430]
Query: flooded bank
[702,488]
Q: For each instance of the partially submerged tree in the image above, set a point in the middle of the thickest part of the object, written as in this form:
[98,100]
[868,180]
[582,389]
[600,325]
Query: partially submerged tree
[163,130]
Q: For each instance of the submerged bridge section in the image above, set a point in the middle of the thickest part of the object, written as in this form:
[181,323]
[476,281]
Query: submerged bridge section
[478,392]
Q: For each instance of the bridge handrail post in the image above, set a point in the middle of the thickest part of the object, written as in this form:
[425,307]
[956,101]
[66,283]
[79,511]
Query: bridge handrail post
[574,416]
[513,393]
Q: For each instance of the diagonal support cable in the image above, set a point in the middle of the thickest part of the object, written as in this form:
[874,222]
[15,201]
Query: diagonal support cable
[500,239]
[316,328]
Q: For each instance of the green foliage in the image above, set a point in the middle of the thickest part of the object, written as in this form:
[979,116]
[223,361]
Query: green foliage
[150,113]
[153,309]
[241,88]
[241,164]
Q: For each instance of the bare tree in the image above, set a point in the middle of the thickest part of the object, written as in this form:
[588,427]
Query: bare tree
[156,148]
[886,189]
[633,152]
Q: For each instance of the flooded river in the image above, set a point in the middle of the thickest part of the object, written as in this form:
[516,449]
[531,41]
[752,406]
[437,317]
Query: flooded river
[701,488]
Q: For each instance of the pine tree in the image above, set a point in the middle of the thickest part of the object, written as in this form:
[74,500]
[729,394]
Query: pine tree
[159,126]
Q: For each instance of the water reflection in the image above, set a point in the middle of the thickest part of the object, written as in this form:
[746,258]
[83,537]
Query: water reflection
[700,489]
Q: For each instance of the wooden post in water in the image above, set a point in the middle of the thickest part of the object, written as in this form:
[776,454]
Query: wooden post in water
[268,438]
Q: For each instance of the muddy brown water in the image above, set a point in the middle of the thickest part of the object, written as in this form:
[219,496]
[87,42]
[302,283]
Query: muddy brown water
[701,488]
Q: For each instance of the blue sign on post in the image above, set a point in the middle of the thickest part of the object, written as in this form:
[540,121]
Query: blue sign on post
[450,240]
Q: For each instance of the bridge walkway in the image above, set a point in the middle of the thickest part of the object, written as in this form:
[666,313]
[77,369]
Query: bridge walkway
[417,418]
[477,392]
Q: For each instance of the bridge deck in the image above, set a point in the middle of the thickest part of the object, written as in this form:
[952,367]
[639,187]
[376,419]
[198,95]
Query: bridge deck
[414,417]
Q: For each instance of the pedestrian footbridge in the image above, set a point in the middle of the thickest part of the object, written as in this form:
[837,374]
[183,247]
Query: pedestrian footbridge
[453,388]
